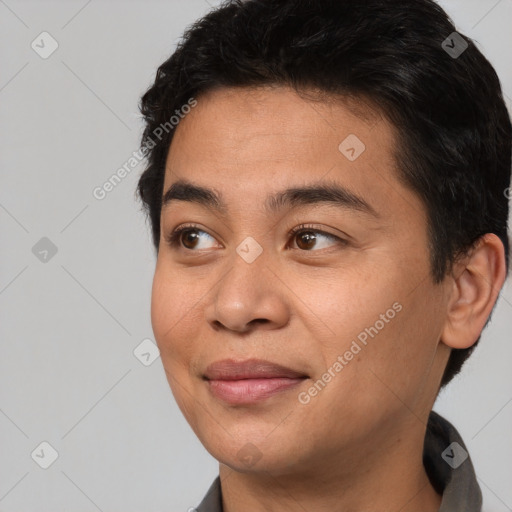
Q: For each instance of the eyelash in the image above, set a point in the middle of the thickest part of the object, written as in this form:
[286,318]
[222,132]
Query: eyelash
[173,238]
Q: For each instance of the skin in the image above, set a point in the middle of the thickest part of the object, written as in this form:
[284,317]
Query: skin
[359,441]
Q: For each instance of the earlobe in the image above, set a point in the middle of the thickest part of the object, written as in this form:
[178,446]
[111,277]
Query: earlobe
[476,283]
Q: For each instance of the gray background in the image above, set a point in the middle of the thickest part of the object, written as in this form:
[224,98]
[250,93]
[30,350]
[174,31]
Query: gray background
[69,326]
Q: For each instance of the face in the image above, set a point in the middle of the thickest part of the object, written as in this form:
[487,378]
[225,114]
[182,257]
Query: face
[345,303]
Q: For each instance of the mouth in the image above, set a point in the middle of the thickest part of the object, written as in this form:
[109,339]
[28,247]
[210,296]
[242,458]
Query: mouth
[250,381]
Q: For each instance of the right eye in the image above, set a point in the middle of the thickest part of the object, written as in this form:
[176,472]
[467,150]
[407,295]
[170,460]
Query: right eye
[187,237]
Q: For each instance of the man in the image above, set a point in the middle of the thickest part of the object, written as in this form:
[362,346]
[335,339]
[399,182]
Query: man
[330,223]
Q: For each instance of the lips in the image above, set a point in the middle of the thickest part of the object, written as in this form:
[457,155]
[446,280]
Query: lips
[249,381]
[229,369]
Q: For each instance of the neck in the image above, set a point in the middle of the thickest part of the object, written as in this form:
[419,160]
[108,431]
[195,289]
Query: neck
[387,476]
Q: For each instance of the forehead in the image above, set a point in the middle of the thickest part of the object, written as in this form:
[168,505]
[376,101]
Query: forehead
[244,141]
[244,117]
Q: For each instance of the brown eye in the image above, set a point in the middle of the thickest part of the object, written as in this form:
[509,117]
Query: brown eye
[187,237]
[308,238]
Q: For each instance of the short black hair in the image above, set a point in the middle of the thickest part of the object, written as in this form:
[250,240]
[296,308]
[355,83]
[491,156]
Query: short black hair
[436,88]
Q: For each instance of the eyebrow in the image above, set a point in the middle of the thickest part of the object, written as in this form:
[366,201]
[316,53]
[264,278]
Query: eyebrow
[316,193]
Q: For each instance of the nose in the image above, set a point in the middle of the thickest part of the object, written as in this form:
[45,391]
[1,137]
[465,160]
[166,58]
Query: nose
[247,295]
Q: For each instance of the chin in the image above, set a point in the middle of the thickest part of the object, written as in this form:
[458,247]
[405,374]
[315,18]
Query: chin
[253,451]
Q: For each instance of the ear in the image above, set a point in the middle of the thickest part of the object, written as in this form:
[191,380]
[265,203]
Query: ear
[476,283]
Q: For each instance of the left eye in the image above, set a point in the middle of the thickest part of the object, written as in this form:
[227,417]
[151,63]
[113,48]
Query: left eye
[189,237]
[307,238]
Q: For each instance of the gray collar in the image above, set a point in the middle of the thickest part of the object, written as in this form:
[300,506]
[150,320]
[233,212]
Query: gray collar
[446,461]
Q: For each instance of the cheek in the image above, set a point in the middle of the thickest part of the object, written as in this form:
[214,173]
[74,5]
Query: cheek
[172,319]
[172,315]
[388,365]
[351,301]
[383,321]
[401,344]
[162,306]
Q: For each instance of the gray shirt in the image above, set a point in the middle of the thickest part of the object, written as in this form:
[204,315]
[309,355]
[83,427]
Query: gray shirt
[446,462]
